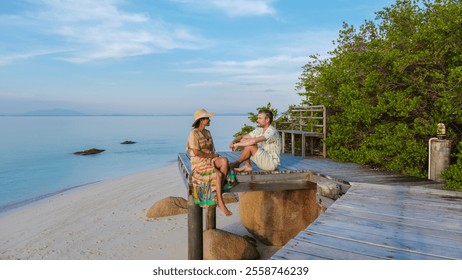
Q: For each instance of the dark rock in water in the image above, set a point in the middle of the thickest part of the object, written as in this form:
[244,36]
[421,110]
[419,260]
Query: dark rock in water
[89,152]
[128,142]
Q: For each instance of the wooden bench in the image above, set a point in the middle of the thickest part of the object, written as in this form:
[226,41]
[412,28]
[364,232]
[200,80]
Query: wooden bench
[288,176]
[306,121]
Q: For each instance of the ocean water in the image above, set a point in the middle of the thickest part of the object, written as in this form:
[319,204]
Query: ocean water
[36,157]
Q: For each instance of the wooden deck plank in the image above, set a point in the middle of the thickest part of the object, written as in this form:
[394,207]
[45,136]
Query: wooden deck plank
[399,198]
[422,201]
[454,195]
[393,235]
[360,246]
[322,251]
[437,229]
[273,187]
[287,254]
[403,210]
[385,215]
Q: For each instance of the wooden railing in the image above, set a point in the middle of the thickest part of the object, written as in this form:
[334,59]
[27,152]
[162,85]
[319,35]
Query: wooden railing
[306,121]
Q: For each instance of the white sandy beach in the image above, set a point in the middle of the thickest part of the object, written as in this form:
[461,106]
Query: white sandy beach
[107,220]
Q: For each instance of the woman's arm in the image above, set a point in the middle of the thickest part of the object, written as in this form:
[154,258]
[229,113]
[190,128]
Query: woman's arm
[199,153]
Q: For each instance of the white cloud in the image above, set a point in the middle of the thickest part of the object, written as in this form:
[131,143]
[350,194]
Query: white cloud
[274,64]
[244,7]
[273,76]
[234,8]
[102,30]
[12,57]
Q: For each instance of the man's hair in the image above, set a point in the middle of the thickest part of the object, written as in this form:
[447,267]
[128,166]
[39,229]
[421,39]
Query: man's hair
[268,114]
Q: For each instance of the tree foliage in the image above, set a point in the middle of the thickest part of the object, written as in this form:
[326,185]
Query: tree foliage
[388,84]
[453,173]
[246,129]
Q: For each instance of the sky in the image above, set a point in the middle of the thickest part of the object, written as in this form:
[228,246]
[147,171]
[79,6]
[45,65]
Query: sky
[164,56]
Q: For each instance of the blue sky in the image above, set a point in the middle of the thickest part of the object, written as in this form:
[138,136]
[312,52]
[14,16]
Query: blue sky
[164,56]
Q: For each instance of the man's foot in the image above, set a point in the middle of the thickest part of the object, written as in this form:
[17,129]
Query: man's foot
[234,164]
[224,210]
[244,168]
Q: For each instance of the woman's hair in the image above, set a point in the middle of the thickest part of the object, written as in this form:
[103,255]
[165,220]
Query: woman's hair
[268,114]
[197,123]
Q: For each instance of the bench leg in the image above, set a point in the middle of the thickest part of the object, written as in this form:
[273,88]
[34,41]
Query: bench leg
[195,235]
[211,222]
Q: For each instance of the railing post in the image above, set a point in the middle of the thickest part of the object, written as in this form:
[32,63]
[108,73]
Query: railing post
[283,142]
[324,131]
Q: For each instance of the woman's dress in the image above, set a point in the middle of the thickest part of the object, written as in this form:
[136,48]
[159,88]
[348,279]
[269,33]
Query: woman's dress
[203,172]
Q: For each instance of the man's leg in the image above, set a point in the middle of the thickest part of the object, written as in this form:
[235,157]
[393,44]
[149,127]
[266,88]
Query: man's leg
[247,152]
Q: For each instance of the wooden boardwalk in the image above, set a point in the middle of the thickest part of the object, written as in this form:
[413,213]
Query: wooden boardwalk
[382,216]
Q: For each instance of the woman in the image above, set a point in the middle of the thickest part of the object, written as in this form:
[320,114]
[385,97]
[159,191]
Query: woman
[208,170]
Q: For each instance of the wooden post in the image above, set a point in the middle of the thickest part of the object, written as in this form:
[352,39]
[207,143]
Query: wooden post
[293,143]
[211,222]
[324,131]
[283,136]
[195,235]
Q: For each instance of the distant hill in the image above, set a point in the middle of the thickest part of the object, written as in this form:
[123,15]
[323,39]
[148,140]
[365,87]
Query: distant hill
[54,112]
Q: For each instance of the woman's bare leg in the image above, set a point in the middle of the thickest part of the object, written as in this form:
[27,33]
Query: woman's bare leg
[220,204]
[221,164]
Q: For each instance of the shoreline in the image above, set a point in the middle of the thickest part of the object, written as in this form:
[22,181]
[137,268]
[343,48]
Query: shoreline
[24,203]
[106,220]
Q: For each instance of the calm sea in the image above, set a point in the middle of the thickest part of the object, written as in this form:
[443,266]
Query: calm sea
[36,157]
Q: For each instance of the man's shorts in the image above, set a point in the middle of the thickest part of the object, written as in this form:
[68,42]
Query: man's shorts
[264,160]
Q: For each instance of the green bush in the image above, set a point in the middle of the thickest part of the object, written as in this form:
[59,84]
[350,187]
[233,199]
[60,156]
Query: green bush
[387,85]
[453,173]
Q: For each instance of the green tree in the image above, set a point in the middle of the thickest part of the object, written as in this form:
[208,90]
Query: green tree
[253,118]
[388,84]
[453,173]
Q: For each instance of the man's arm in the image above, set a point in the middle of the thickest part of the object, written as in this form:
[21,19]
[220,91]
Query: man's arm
[247,142]
[239,139]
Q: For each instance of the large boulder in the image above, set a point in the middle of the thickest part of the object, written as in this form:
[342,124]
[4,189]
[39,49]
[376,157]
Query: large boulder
[223,245]
[329,191]
[276,217]
[168,206]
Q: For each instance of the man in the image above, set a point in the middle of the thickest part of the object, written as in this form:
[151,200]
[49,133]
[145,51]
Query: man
[262,146]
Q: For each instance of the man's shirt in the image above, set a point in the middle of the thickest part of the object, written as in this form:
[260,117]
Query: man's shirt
[273,141]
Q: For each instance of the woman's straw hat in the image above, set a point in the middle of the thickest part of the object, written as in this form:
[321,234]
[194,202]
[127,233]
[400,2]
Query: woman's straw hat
[202,113]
